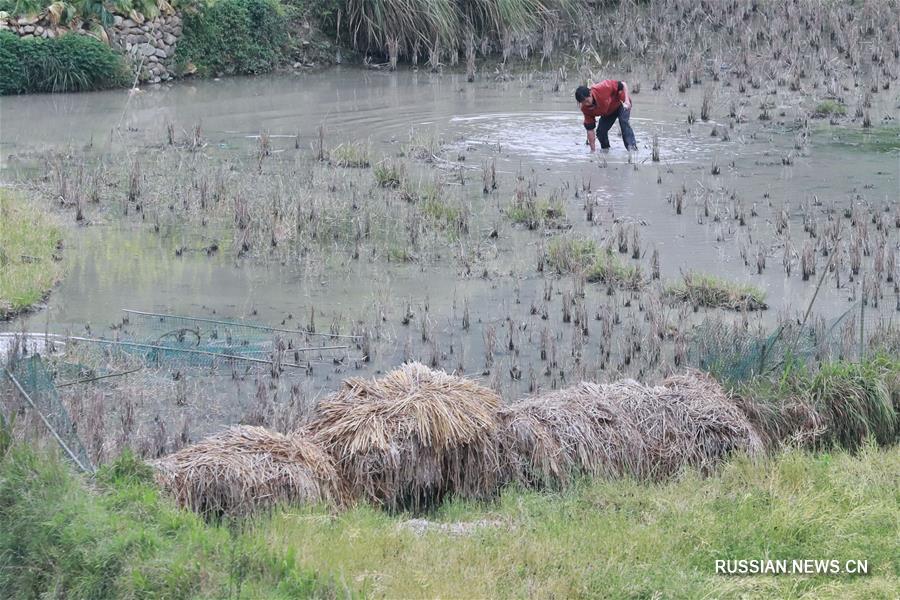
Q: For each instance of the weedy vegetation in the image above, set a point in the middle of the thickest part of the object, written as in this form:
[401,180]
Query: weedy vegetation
[30,254]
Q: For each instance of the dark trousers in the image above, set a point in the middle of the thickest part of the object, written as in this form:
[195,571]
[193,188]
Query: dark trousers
[605,123]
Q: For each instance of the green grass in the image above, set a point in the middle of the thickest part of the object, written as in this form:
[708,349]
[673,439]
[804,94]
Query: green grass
[355,155]
[708,290]
[571,254]
[628,540]
[28,242]
[849,402]
[537,212]
[61,537]
[828,108]
[860,400]
[388,173]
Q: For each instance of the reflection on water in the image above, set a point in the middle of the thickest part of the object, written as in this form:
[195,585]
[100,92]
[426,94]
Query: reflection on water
[555,137]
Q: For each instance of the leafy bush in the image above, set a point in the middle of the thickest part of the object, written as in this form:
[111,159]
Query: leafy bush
[71,63]
[235,37]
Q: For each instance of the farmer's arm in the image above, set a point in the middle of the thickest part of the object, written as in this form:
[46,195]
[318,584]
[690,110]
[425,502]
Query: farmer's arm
[590,124]
[624,97]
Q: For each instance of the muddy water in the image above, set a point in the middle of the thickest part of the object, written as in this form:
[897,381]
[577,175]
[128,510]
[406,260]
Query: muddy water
[527,129]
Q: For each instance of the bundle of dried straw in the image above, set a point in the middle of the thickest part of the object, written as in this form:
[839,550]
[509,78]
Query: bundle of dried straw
[409,439]
[623,428]
[547,439]
[245,468]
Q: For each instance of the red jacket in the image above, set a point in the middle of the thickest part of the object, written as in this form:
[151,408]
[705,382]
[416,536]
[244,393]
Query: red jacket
[608,97]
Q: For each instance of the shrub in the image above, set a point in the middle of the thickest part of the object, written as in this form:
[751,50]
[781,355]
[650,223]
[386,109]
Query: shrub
[70,63]
[233,37]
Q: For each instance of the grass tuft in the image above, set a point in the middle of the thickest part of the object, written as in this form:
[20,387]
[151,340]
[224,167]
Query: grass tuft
[388,173]
[354,155]
[841,404]
[122,539]
[708,290]
[828,108]
[537,212]
[572,254]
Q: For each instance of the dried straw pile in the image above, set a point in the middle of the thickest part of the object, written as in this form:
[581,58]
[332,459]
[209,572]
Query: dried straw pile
[623,428]
[689,420]
[547,439]
[407,440]
[246,468]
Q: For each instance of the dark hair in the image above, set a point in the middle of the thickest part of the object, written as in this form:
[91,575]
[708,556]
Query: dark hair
[581,93]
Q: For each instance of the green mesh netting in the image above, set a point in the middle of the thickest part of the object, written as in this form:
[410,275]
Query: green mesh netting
[36,380]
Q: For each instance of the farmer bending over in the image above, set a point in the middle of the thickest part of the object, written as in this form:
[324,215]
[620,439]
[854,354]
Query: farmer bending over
[608,100]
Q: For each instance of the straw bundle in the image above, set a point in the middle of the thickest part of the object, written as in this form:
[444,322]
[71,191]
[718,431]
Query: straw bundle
[689,420]
[623,429]
[246,468]
[412,437]
[547,439]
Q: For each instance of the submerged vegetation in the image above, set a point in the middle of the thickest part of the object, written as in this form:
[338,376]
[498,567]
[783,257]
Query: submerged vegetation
[827,108]
[885,138]
[29,254]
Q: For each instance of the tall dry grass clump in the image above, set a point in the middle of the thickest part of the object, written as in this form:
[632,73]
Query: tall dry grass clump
[409,439]
[244,469]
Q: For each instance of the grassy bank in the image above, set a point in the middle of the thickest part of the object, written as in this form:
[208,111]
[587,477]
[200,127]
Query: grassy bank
[120,539]
[29,246]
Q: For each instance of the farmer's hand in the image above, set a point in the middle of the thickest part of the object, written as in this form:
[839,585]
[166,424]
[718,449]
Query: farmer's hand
[627,104]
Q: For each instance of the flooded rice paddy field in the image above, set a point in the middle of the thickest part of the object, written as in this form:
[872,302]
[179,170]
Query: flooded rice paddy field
[453,223]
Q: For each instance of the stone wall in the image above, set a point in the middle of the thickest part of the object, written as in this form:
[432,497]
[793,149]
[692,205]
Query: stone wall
[148,45]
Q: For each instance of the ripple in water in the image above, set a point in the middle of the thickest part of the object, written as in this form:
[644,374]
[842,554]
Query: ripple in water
[557,137]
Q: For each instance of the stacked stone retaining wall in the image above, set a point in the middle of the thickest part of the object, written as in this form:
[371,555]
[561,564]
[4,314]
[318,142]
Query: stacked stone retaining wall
[149,46]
